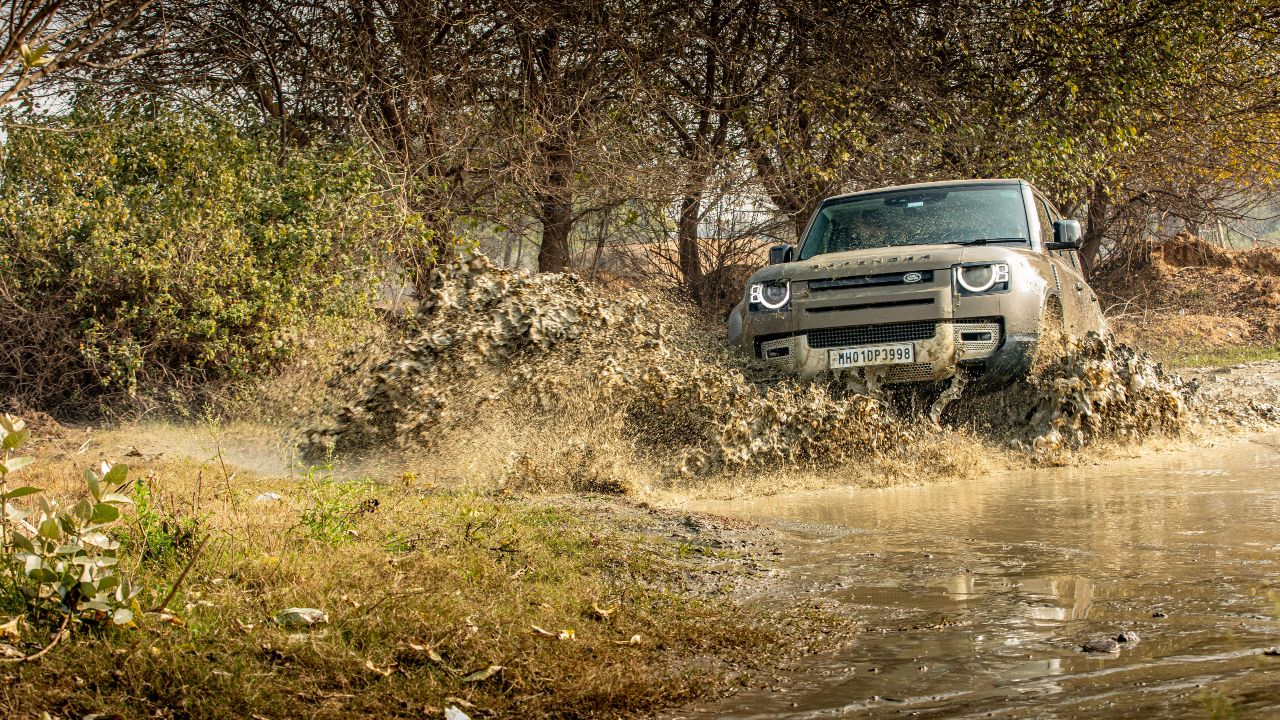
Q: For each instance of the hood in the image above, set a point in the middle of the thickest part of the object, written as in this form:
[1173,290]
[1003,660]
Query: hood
[873,261]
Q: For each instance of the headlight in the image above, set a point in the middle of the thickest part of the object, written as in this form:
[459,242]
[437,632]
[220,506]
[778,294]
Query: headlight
[772,295]
[992,277]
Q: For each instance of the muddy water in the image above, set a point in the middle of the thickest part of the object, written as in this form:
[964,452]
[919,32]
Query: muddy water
[977,596]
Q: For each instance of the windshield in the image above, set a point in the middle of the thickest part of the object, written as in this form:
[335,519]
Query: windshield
[966,214]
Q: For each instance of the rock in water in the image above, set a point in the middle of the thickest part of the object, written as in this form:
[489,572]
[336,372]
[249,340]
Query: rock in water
[1104,645]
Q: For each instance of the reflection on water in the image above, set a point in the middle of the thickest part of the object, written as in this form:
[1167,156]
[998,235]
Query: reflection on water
[978,595]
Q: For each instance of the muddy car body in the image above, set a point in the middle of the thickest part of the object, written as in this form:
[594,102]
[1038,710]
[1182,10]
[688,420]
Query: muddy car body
[920,283]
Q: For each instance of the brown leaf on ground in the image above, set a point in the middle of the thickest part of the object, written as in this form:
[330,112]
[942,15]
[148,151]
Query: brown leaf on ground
[481,675]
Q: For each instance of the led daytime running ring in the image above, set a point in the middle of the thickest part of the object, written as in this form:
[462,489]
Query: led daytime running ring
[758,296]
[999,274]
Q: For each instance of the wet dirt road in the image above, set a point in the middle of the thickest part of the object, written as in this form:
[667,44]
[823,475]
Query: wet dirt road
[977,596]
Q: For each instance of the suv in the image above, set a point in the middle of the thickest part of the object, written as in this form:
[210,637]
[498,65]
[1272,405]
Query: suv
[915,283]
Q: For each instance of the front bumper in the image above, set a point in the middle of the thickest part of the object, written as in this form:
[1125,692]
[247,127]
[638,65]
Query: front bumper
[941,348]
[861,302]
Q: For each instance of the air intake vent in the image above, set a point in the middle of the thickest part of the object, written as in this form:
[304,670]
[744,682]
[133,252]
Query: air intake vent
[869,334]
[911,372]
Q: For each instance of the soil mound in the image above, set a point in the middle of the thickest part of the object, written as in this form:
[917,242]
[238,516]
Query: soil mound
[1186,251]
[590,383]
[1186,295]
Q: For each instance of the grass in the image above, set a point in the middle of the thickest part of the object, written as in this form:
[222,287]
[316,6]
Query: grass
[426,592]
[1232,355]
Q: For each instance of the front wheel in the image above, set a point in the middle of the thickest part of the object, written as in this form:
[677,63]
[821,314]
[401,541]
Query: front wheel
[1051,341]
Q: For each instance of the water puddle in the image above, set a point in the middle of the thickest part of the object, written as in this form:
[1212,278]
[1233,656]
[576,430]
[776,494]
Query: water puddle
[977,596]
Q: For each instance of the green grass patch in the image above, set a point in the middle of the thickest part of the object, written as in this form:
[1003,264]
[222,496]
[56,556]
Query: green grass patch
[506,607]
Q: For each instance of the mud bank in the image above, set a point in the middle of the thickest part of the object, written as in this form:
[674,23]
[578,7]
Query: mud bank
[1185,297]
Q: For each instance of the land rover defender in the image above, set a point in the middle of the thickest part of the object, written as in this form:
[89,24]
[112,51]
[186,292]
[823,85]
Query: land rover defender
[920,283]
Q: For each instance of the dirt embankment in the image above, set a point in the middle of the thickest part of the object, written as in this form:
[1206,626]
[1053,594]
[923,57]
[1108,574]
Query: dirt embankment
[1185,299]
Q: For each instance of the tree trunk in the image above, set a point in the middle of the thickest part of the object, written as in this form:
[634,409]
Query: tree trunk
[1095,227]
[557,220]
[688,244]
[602,233]
[555,208]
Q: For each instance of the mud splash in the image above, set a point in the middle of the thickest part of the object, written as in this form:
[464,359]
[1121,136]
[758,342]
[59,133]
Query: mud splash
[1102,390]
[596,380]
[551,351]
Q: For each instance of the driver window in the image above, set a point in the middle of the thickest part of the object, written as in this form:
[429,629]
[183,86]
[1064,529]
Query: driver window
[1047,215]
[1046,225]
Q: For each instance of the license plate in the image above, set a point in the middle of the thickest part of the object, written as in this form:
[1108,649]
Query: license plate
[894,354]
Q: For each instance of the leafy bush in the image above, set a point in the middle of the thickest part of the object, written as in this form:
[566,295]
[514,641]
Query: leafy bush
[150,246]
[51,556]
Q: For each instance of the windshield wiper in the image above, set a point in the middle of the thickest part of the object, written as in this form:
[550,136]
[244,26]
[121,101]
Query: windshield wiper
[984,241]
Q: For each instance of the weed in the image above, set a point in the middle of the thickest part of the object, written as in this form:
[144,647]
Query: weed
[56,559]
[162,534]
[335,505]
[1219,706]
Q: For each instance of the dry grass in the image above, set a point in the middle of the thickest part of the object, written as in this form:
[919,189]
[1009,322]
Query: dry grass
[422,587]
[1223,356]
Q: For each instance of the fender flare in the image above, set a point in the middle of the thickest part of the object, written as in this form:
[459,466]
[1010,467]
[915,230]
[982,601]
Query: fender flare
[733,326]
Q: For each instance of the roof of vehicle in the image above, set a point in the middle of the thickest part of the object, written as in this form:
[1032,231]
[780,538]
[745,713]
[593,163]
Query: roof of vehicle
[928,186]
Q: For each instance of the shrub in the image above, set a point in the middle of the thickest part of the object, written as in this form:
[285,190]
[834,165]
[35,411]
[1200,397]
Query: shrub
[147,247]
[60,558]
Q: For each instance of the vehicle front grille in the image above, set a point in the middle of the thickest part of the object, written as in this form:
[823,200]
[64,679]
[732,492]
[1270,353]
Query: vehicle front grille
[922,277]
[870,334]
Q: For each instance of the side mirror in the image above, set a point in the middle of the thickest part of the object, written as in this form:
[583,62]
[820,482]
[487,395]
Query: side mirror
[1066,235]
[779,254]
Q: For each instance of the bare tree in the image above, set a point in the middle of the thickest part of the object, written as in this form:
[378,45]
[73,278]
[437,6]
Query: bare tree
[44,37]
[703,63]
[556,87]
